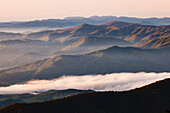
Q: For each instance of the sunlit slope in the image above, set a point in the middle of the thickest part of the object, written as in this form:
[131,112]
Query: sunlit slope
[126,31]
[134,33]
[121,30]
[156,43]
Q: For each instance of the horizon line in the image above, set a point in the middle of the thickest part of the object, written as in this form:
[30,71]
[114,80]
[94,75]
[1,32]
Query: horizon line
[41,18]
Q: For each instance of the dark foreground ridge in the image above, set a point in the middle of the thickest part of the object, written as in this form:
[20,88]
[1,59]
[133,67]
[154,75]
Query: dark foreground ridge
[6,100]
[153,98]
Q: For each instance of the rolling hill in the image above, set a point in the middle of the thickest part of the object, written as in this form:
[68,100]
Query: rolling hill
[9,36]
[111,60]
[153,98]
[133,33]
[100,48]
[22,51]
[121,30]
[82,39]
[116,29]
[90,43]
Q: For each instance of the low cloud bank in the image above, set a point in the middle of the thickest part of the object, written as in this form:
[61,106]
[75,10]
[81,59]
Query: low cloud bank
[108,82]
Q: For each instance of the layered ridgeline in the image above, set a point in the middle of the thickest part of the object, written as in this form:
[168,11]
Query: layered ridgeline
[19,52]
[75,21]
[48,43]
[156,43]
[78,40]
[111,60]
[6,100]
[153,98]
[8,36]
[115,29]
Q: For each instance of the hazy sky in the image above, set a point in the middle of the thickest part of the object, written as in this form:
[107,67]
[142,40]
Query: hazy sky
[39,9]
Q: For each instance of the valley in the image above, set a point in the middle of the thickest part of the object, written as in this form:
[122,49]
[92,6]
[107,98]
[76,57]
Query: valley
[77,63]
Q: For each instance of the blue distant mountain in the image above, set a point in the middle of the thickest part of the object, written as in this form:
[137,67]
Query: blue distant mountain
[75,21]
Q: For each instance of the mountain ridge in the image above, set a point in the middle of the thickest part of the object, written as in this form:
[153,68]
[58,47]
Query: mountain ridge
[111,60]
[75,40]
[148,99]
[73,21]
[6,100]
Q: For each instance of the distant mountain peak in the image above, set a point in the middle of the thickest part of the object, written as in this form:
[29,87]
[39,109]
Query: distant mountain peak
[72,18]
[87,28]
[116,24]
[85,25]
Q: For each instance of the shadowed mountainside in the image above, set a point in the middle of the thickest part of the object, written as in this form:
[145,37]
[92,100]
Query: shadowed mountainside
[19,52]
[153,98]
[6,100]
[111,60]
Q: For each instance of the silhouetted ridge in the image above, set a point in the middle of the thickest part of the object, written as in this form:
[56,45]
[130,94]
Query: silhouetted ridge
[6,100]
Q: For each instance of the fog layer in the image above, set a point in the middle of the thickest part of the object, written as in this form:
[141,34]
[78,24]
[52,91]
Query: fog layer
[108,82]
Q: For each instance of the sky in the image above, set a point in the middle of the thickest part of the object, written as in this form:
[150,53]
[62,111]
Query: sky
[17,10]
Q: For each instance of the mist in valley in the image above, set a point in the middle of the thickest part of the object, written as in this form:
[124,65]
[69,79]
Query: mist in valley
[108,82]
[18,49]
[30,29]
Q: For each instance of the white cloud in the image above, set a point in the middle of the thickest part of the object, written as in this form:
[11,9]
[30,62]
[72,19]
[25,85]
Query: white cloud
[108,82]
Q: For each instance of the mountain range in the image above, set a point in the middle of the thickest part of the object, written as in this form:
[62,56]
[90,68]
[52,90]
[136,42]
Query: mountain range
[75,21]
[77,46]
[153,98]
[120,30]
[110,60]
[115,29]
[85,49]
[78,40]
